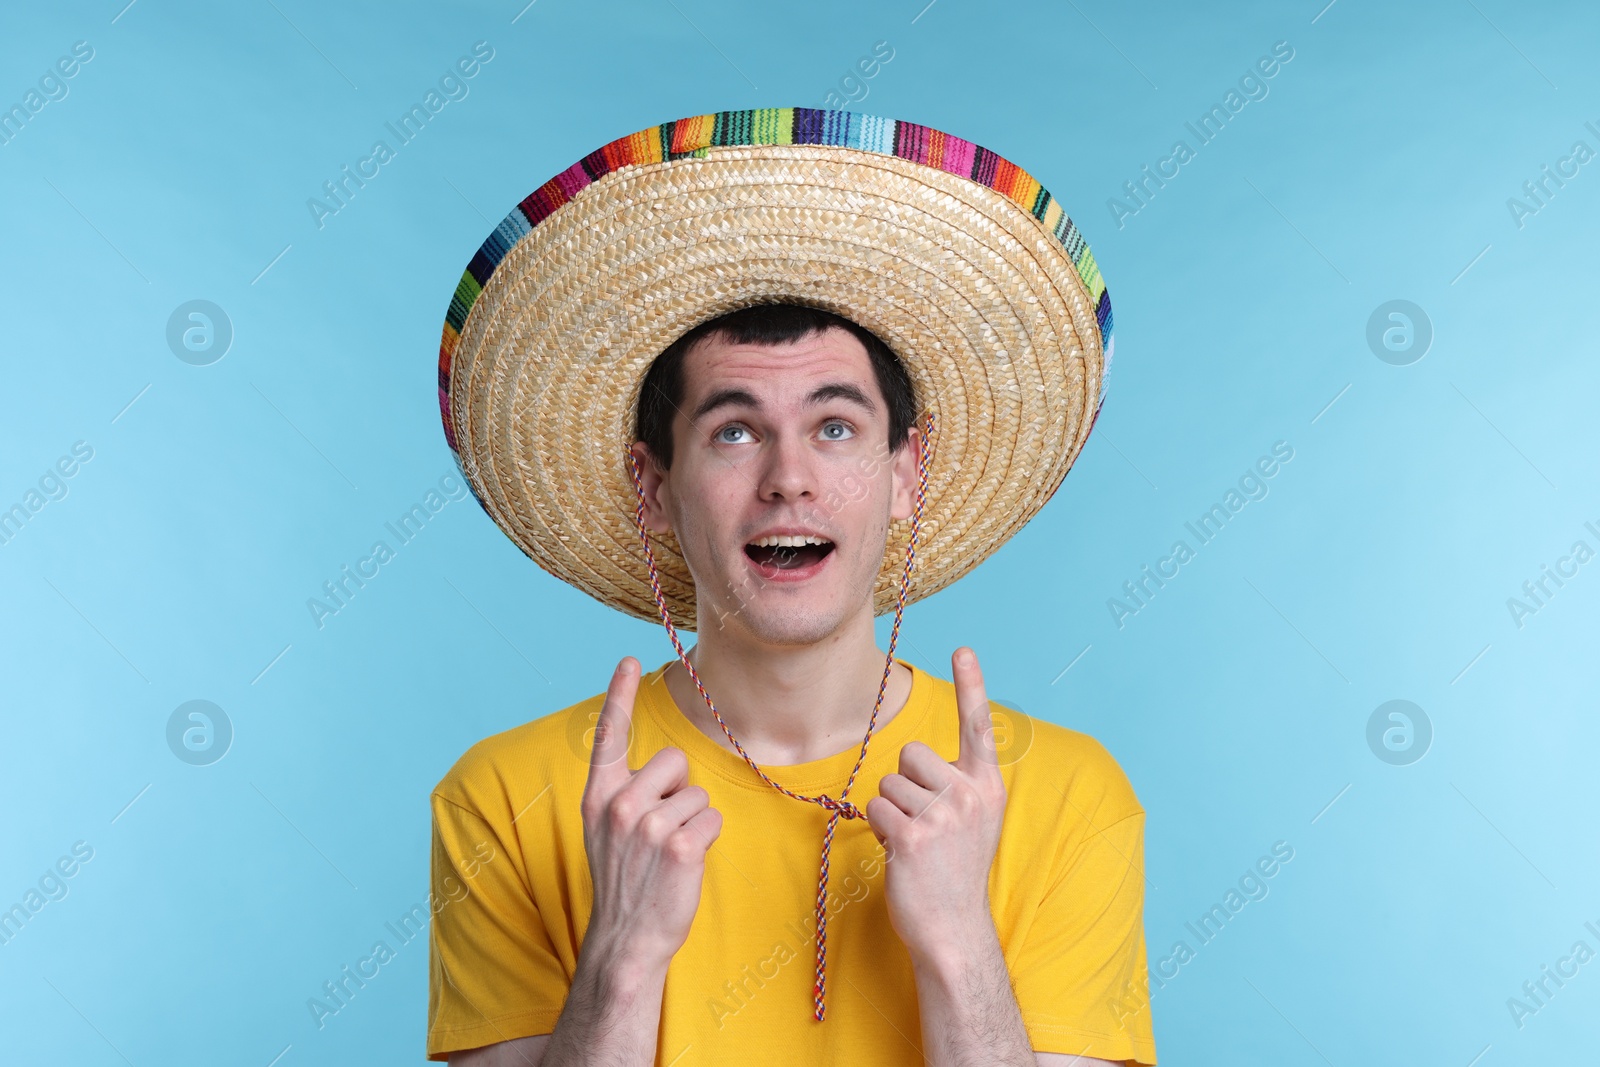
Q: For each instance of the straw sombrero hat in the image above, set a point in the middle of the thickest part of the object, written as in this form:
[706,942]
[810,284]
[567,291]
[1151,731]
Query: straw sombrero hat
[958,259]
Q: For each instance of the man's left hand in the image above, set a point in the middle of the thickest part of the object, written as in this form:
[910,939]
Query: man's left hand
[940,823]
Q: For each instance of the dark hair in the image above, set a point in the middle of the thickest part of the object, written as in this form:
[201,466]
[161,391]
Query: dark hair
[765,324]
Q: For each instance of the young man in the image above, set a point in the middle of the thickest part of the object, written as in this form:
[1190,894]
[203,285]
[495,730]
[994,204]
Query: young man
[635,879]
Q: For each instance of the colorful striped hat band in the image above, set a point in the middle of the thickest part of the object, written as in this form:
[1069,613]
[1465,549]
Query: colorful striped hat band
[837,807]
[959,260]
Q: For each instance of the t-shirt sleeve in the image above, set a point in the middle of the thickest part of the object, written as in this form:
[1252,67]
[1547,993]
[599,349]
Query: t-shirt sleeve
[1080,975]
[493,973]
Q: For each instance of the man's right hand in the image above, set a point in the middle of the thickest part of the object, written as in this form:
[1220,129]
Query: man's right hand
[646,833]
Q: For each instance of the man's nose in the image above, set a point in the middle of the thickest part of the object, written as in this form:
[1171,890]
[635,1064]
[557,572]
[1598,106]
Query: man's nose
[789,472]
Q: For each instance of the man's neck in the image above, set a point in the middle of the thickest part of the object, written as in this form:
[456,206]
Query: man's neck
[789,704]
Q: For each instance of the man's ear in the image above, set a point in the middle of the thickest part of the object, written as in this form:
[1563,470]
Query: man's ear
[657,492]
[903,465]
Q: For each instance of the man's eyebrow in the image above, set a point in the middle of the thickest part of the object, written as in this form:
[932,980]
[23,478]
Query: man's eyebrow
[841,391]
[741,397]
[821,394]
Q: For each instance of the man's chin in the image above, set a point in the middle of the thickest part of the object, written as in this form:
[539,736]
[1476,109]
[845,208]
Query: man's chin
[793,613]
[786,626]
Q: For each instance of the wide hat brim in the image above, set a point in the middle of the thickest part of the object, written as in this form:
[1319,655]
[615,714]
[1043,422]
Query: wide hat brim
[959,260]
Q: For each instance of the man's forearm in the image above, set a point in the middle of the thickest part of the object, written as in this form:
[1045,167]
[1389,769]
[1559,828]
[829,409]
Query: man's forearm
[612,1013]
[969,1012]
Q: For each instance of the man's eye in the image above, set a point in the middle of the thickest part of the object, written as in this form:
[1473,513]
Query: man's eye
[837,431]
[731,435]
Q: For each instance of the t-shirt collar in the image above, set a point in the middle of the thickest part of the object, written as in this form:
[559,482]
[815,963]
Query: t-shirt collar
[827,773]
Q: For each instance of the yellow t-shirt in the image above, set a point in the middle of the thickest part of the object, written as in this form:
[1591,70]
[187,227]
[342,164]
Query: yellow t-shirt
[512,893]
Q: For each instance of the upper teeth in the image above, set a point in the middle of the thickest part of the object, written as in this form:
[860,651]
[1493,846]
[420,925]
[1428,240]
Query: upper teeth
[789,541]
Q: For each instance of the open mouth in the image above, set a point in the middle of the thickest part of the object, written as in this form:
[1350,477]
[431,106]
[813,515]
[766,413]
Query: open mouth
[788,553]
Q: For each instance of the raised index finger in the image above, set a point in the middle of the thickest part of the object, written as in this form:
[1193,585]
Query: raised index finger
[978,748]
[608,759]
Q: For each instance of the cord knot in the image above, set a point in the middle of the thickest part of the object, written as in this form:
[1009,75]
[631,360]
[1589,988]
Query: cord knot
[845,809]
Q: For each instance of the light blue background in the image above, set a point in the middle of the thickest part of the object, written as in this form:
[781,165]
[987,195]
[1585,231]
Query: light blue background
[179,564]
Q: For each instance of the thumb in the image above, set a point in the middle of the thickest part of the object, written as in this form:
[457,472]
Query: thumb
[608,760]
[977,753]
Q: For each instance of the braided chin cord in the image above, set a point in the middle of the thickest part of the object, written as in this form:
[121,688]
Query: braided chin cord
[839,808]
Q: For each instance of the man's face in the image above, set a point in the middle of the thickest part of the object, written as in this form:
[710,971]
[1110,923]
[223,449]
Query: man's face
[782,442]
